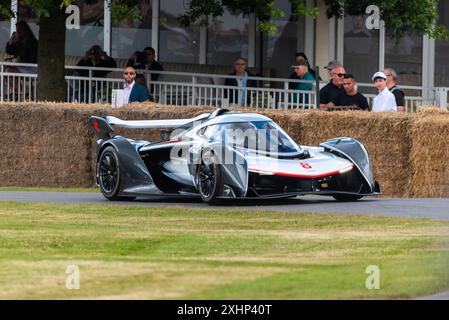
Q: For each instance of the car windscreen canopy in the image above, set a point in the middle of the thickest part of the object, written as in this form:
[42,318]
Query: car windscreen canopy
[261,136]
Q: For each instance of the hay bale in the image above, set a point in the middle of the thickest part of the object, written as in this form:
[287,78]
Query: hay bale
[430,156]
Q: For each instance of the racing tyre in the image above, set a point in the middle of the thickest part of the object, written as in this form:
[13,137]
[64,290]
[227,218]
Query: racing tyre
[346,197]
[108,170]
[209,178]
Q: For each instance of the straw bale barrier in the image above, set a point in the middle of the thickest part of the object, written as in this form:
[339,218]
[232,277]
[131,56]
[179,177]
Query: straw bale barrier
[429,155]
[48,144]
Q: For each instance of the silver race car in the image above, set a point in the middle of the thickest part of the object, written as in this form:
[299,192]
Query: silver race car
[227,155]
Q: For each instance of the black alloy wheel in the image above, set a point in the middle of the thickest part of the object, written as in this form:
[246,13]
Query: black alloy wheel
[108,169]
[209,179]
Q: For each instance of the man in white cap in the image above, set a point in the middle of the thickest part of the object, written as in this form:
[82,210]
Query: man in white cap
[385,100]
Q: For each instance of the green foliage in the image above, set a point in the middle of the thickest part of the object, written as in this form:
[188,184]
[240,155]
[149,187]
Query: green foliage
[5,11]
[121,10]
[399,15]
[198,10]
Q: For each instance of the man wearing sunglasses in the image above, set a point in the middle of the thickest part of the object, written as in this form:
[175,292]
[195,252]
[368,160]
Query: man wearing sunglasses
[334,87]
[132,91]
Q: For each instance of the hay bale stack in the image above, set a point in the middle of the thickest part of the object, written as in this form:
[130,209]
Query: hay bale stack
[430,155]
[47,144]
[43,145]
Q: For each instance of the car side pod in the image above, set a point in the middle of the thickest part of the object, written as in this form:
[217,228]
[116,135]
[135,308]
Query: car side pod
[100,127]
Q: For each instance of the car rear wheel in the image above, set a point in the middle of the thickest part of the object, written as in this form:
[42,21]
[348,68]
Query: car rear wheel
[209,178]
[109,179]
[347,197]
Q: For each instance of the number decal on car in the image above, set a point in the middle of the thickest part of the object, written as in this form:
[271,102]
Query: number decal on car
[305,165]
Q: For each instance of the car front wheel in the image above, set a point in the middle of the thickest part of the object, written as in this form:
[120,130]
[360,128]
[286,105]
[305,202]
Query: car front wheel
[209,178]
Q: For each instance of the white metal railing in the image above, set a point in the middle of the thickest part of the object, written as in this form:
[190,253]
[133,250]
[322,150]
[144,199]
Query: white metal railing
[181,88]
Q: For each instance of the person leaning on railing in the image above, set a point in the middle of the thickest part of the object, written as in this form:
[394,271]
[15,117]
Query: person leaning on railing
[152,63]
[350,98]
[302,73]
[23,47]
[391,75]
[234,96]
[334,87]
[23,44]
[301,56]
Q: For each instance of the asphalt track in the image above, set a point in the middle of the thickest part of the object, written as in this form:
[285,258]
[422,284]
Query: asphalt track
[410,208]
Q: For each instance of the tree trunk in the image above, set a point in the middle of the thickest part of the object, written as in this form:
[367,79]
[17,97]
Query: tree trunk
[51,57]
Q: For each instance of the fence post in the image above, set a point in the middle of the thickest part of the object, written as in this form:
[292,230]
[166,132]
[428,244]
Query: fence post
[441,97]
[90,86]
[193,90]
[317,86]
[1,82]
[285,95]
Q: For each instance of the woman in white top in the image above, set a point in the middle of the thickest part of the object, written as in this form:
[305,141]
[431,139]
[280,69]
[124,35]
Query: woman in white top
[385,100]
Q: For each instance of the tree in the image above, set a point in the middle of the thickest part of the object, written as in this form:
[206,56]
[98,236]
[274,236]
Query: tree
[51,52]
[50,85]
[399,16]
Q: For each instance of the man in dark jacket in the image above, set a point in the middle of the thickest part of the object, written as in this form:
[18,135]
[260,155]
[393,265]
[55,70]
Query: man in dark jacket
[132,91]
[151,63]
[234,96]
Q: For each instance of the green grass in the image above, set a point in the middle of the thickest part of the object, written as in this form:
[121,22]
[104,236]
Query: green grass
[49,189]
[180,253]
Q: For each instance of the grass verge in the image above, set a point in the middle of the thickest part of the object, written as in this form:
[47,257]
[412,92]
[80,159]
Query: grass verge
[180,253]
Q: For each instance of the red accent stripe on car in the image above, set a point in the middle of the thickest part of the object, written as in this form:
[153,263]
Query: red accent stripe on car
[299,175]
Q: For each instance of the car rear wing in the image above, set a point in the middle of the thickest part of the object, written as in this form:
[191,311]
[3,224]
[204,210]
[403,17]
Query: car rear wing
[104,126]
[100,127]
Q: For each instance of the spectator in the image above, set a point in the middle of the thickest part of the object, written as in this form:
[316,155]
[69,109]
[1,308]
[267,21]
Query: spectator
[23,46]
[138,60]
[331,65]
[350,97]
[301,56]
[152,64]
[302,73]
[392,86]
[242,81]
[96,57]
[385,100]
[132,91]
[334,87]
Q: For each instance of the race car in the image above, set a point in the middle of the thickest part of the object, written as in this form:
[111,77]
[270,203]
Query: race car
[226,155]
